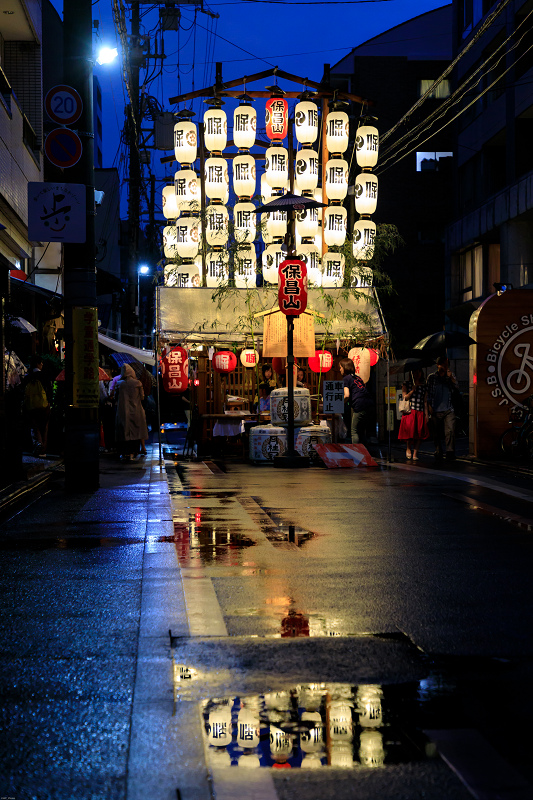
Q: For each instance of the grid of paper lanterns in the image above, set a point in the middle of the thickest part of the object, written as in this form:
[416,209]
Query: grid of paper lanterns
[185,142]
[244,126]
[244,175]
[186,190]
[273,255]
[306,122]
[244,221]
[277,166]
[307,222]
[366,190]
[217,222]
[306,169]
[217,267]
[244,267]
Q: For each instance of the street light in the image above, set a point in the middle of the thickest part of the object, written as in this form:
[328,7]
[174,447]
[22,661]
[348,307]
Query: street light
[107,55]
[143,270]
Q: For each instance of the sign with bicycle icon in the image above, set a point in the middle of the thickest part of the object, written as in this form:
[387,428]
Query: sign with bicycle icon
[502,369]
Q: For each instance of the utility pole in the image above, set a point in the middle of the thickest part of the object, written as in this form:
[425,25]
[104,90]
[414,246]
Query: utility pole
[134,56]
[81,313]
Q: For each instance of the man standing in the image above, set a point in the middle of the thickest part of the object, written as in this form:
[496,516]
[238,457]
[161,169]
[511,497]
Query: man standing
[439,399]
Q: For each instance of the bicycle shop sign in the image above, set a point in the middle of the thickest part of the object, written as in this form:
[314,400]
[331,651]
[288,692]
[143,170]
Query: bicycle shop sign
[509,362]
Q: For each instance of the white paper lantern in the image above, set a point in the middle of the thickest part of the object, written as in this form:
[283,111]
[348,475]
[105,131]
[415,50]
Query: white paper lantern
[366,193]
[185,141]
[247,729]
[337,131]
[184,276]
[249,358]
[244,126]
[215,129]
[273,255]
[367,146]
[361,361]
[216,178]
[244,267]
[277,167]
[332,270]
[186,189]
[217,267]
[307,222]
[169,241]
[306,169]
[276,223]
[362,278]
[171,209]
[336,179]
[306,121]
[187,237]
[265,235]
[310,255]
[244,175]
[216,222]
[364,237]
[219,726]
[266,190]
[244,222]
[371,751]
[334,230]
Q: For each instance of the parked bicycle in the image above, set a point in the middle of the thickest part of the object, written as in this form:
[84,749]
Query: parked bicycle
[517,441]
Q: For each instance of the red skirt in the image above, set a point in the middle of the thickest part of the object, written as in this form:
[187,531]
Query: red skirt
[413,426]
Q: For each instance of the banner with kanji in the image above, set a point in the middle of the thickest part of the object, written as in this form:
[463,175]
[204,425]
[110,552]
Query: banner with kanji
[86,390]
[275,335]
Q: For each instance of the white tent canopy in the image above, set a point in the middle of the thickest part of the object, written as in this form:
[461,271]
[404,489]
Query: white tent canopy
[144,356]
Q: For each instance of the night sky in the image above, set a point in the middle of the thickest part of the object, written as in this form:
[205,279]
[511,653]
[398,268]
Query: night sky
[249,36]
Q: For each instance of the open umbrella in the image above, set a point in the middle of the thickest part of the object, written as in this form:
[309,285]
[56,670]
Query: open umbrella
[409,364]
[436,344]
[102,375]
[287,201]
[141,373]
[23,324]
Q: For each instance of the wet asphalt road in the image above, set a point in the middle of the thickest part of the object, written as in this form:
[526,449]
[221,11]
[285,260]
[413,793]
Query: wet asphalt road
[415,579]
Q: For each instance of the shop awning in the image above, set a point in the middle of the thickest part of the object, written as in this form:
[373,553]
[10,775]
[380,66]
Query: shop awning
[144,356]
[193,316]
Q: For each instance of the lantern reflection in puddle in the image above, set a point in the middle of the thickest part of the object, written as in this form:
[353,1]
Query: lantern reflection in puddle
[280,742]
[340,721]
[249,761]
[219,726]
[311,761]
[247,729]
[369,707]
[341,755]
[219,757]
[371,750]
[310,695]
[312,739]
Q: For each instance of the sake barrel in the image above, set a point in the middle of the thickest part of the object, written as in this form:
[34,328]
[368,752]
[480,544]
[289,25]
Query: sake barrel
[266,442]
[308,437]
[279,407]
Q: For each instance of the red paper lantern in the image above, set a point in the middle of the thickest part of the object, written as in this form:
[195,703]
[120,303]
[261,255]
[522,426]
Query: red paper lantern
[292,287]
[374,357]
[278,365]
[175,371]
[277,118]
[224,361]
[322,361]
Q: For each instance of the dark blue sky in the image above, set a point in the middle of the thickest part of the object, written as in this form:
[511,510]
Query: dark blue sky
[248,37]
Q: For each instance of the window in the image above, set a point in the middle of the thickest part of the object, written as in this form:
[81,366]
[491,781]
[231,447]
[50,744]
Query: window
[471,274]
[427,161]
[439,92]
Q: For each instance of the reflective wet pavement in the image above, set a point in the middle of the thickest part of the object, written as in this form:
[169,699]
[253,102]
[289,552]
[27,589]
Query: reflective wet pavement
[290,599]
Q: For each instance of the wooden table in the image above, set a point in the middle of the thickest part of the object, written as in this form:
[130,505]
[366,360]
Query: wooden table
[236,419]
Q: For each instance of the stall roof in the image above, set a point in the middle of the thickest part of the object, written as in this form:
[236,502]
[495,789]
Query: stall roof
[198,315]
[144,356]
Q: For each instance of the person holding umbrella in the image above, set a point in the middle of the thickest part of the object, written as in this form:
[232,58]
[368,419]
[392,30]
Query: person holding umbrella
[413,426]
[440,386]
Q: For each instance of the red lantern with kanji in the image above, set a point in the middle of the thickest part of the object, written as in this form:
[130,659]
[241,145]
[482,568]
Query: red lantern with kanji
[276,118]
[322,361]
[175,371]
[224,361]
[374,357]
[278,365]
[292,287]
[361,361]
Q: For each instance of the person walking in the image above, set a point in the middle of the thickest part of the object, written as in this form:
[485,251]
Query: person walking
[414,426]
[130,422]
[359,398]
[440,386]
[36,406]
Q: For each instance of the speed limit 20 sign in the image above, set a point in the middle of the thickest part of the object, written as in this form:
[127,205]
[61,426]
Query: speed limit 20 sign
[63,105]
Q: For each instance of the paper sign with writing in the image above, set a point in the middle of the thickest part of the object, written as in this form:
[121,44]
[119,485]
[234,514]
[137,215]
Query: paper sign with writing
[86,391]
[275,336]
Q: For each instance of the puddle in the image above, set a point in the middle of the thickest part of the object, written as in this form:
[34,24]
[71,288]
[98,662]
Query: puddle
[276,529]
[315,726]
[200,542]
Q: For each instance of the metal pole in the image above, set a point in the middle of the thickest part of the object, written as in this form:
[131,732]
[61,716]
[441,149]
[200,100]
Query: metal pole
[81,315]
[157,390]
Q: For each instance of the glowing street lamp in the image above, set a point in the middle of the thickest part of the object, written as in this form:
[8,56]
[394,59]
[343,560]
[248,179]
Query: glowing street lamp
[107,55]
